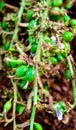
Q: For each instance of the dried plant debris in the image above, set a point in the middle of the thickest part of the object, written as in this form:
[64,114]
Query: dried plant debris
[37,65]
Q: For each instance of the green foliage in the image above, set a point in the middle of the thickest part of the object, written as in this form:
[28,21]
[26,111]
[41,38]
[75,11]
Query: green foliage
[20,71]
[22,83]
[67,47]
[61,106]
[31,39]
[73,22]
[13,63]
[66,19]
[20,108]
[32,24]
[57,3]
[53,60]
[29,14]
[68,74]
[7,106]
[68,36]
[5,26]
[7,46]
[2,4]
[37,126]
[33,48]
[30,74]
[19,62]
[60,57]
[69,5]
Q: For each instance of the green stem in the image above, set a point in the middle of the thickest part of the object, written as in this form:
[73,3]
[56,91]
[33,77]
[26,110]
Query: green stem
[44,16]
[38,52]
[14,37]
[34,104]
[32,117]
[72,74]
[35,85]
[14,103]
[35,92]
